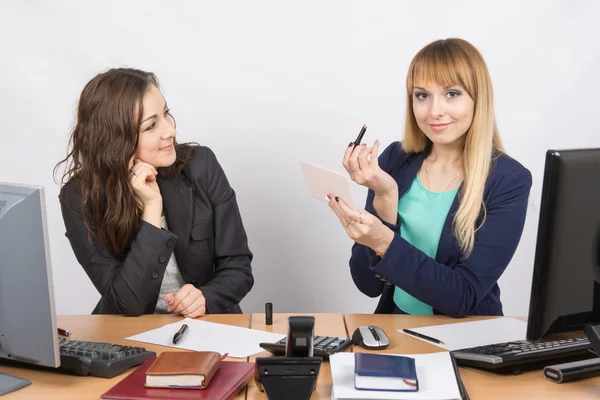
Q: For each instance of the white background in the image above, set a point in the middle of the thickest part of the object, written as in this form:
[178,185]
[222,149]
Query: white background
[266,84]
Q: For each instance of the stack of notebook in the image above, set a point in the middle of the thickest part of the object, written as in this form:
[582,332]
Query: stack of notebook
[184,375]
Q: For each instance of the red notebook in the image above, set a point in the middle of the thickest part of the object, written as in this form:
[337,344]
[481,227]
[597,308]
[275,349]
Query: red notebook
[227,382]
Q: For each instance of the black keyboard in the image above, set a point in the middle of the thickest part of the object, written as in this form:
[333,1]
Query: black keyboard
[522,352]
[104,360]
[324,346]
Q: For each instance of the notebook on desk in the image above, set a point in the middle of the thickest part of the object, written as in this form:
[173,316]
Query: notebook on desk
[385,372]
[437,376]
[226,383]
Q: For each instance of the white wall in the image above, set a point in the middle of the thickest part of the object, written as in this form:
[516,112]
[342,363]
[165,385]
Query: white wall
[268,83]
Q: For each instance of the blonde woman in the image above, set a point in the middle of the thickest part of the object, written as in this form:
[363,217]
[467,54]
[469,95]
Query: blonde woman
[446,207]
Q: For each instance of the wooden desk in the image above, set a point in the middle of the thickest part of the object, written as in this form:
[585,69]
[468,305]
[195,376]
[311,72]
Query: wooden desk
[107,328]
[479,384]
[100,328]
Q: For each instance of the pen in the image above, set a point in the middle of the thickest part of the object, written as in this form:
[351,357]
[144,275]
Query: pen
[63,332]
[180,333]
[464,395]
[420,335]
[360,135]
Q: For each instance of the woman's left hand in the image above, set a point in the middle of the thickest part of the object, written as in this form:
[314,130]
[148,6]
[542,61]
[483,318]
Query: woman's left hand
[188,301]
[361,226]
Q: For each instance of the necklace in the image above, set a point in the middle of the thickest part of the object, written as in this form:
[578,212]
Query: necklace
[452,181]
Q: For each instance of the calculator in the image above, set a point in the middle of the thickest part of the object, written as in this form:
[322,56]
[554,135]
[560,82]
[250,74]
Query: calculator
[324,346]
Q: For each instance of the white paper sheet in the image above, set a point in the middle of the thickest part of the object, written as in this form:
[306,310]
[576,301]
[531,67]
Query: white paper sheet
[209,336]
[434,372]
[463,335]
[321,181]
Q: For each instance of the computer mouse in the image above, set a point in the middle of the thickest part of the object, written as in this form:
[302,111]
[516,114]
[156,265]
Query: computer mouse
[370,337]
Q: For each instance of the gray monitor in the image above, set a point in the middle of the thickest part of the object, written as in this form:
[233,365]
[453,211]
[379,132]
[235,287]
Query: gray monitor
[28,330]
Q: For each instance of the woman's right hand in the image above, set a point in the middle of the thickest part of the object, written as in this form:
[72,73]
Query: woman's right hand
[365,170]
[143,180]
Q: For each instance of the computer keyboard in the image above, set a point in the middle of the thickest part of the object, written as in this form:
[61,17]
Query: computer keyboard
[522,352]
[104,360]
[324,346]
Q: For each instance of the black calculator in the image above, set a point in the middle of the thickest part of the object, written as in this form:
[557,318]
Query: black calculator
[324,346]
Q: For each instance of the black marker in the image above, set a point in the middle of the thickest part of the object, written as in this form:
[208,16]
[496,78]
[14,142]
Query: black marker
[180,333]
[360,135]
[268,313]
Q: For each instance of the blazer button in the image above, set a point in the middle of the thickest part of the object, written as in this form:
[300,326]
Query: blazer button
[162,259]
[170,243]
[154,274]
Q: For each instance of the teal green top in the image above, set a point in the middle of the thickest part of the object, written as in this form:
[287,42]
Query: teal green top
[423,214]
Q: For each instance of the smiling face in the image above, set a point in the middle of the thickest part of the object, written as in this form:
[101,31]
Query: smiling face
[157,131]
[444,114]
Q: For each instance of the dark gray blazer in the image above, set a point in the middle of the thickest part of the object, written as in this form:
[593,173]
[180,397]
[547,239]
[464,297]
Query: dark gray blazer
[205,232]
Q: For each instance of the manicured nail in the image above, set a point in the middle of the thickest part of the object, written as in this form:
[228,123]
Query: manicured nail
[351,144]
[337,199]
[329,196]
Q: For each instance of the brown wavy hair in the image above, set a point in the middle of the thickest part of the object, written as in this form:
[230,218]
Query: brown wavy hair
[101,146]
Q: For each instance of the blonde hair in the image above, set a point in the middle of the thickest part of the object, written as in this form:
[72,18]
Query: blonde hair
[452,62]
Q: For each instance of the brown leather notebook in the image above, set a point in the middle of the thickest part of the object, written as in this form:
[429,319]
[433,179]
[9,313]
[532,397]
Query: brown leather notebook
[230,378]
[185,369]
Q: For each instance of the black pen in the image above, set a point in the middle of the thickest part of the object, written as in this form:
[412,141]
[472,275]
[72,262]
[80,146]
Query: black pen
[180,333]
[360,135]
[420,335]
[464,395]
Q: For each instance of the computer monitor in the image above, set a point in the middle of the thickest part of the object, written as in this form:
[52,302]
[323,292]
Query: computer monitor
[565,292]
[28,330]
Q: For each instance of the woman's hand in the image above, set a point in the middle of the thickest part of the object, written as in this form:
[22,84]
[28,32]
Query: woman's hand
[188,301]
[362,227]
[362,164]
[143,180]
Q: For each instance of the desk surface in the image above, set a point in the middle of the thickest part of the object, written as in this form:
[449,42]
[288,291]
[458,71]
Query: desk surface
[113,329]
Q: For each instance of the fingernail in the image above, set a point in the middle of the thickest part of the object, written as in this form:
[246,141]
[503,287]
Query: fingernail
[329,196]
[337,199]
[351,144]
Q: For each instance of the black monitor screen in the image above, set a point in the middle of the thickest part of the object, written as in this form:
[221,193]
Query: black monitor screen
[565,291]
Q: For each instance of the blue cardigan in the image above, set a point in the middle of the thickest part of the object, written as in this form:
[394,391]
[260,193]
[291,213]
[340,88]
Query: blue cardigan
[450,284]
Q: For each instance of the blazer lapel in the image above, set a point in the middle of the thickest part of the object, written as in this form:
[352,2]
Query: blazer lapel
[405,173]
[447,239]
[178,205]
